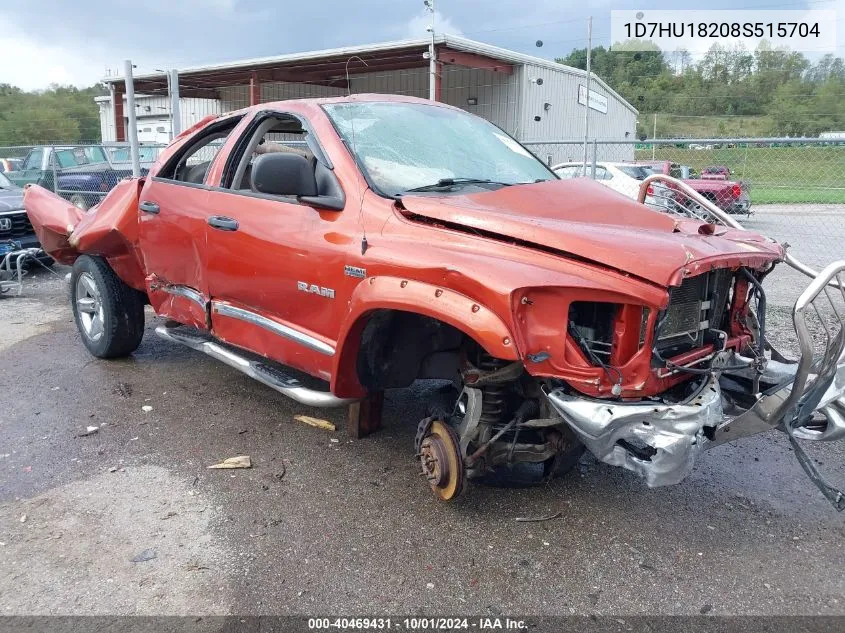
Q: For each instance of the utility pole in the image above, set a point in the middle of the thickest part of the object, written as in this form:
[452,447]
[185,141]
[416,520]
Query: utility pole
[432,62]
[587,98]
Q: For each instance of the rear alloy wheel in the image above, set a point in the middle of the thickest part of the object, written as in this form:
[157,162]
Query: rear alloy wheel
[109,314]
[80,201]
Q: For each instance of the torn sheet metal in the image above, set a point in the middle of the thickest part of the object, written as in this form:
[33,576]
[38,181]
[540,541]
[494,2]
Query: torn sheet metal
[109,229]
[670,435]
[53,219]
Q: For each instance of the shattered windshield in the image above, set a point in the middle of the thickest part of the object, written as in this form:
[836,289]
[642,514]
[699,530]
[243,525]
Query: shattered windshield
[406,146]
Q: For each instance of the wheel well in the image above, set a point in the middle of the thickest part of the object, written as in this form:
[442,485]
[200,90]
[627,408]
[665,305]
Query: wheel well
[398,347]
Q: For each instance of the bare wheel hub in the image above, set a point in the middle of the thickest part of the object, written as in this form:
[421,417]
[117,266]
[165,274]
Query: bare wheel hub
[441,461]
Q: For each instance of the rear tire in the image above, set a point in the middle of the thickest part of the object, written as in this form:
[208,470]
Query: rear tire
[109,314]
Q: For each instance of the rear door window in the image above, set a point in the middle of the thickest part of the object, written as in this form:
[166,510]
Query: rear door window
[571,171]
[33,161]
[191,164]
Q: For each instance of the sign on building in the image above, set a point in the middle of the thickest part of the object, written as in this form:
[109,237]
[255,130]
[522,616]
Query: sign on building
[598,102]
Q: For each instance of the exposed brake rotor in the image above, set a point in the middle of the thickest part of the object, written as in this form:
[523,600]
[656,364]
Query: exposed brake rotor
[441,460]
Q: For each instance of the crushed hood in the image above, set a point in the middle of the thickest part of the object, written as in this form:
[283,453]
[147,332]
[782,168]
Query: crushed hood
[582,219]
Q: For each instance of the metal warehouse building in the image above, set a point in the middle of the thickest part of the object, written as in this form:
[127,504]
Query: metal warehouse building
[533,99]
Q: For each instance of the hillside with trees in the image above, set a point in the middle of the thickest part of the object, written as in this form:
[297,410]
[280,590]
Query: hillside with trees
[57,114]
[728,92]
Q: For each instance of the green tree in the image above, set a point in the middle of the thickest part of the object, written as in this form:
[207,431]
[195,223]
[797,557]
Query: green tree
[727,91]
[63,114]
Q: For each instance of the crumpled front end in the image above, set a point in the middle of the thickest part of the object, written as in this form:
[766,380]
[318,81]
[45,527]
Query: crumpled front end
[740,396]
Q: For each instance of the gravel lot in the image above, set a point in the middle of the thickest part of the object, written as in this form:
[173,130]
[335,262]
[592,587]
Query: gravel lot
[128,520]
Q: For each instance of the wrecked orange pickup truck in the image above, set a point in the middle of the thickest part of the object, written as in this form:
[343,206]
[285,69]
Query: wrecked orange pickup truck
[371,241]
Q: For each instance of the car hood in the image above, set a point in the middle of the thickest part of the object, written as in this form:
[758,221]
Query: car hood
[11,199]
[581,219]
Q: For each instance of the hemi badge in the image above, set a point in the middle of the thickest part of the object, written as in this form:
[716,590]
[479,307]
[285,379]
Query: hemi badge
[354,271]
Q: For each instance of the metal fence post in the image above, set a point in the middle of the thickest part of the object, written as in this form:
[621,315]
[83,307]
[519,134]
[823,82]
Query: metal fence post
[175,112]
[55,184]
[595,153]
[587,96]
[133,124]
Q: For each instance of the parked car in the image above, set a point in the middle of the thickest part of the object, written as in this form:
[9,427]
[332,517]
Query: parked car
[121,157]
[83,173]
[728,195]
[624,178]
[15,228]
[10,164]
[413,240]
[716,172]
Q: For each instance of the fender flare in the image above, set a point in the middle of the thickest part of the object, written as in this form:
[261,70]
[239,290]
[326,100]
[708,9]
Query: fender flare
[394,293]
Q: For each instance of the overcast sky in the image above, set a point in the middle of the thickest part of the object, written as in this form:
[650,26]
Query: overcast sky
[46,41]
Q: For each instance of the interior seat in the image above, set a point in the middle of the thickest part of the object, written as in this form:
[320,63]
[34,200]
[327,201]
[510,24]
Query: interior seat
[196,174]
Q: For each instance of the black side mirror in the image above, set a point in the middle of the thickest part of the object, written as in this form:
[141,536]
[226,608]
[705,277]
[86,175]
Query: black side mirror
[283,174]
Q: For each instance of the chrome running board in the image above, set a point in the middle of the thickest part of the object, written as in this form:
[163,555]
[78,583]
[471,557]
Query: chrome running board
[266,374]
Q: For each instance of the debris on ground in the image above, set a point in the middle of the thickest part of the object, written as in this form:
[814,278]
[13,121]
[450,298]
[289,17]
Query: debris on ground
[144,556]
[316,422]
[242,461]
[123,389]
[23,518]
[146,408]
[195,566]
[556,515]
[90,430]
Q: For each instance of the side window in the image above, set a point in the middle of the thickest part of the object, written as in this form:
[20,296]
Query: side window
[192,163]
[602,173]
[33,161]
[675,171]
[278,157]
[273,135]
[567,172]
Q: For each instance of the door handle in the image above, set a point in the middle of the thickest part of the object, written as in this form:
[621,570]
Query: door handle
[223,223]
[148,207]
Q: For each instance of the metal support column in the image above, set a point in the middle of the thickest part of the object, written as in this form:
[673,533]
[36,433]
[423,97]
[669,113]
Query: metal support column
[133,125]
[175,111]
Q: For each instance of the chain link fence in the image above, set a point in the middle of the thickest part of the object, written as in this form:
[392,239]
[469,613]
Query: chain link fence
[82,173]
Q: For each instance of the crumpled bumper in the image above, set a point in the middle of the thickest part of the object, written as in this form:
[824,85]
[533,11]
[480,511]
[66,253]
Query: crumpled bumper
[657,441]
[660,442]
